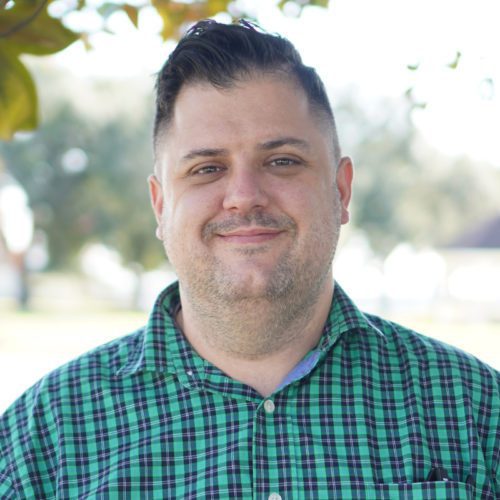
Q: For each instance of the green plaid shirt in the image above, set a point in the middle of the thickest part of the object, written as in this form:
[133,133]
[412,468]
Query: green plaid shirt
[375,411]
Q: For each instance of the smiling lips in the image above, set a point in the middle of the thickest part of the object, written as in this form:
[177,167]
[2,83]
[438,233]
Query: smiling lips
[250,235]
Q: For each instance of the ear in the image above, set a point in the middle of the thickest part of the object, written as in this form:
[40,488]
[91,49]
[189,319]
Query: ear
[156,196]
[344,184]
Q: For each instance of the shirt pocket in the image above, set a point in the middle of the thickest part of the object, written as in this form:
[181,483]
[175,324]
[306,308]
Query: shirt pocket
[434,490]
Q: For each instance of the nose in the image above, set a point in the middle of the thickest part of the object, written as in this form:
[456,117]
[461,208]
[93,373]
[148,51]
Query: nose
[244,190]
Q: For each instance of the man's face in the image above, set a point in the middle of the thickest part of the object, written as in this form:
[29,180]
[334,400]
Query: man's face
[249,201]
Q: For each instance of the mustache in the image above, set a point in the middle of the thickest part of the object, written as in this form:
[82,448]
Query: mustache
[281,223]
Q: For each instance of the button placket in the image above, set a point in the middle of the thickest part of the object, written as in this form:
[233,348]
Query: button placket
[269,406]
[265,451]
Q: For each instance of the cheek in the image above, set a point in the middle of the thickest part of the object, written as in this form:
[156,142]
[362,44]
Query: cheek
[189,211]
[309,203]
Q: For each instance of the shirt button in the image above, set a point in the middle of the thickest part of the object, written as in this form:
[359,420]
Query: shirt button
[274,496]
[269,408]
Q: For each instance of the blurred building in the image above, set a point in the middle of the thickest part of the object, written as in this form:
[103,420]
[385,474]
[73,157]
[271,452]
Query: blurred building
[473,271]
[457,282]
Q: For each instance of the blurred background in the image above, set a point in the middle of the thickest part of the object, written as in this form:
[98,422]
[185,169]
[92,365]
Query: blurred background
[414,86]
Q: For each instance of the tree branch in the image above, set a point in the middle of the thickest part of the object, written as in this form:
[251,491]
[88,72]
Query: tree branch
[19,26]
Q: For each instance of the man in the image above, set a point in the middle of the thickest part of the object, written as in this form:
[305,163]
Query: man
[255,377]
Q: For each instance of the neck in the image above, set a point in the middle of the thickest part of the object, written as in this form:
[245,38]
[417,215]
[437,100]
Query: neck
[255,342]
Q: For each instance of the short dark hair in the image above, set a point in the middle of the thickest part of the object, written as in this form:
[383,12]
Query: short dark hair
[221,54]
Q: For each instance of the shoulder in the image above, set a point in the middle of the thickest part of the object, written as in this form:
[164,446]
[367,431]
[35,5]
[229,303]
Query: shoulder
[31,427]
[101,363]
[421,355]
[68,385]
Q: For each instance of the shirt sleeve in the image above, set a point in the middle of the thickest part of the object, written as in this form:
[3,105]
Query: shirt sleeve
[27,447]
[7,491]
[496,430]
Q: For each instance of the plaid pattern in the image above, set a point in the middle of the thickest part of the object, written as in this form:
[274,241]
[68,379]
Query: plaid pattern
[366,416]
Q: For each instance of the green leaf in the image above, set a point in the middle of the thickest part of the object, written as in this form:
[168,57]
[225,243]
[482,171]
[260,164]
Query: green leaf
[319,3]
[132,13]
[172,14]
[454,63]
[216,6]
[41,35]
[176,14]
[18,101]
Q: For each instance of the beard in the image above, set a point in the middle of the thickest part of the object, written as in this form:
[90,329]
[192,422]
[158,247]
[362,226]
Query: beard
[251,322]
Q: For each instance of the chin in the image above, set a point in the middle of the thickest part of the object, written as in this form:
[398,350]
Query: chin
[250,285]
[262,285]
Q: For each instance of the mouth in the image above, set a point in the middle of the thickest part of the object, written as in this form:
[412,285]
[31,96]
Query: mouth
[250,235]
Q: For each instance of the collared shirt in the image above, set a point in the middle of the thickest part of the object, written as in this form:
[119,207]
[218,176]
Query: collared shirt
[374,411]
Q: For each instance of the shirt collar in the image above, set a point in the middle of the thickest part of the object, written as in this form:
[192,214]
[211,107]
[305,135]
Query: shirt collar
[165,349]
[346,317]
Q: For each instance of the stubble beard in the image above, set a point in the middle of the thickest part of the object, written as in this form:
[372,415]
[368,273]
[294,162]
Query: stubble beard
[250,326]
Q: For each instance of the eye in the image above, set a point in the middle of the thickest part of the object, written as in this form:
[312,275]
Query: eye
[207,170]
[285,162]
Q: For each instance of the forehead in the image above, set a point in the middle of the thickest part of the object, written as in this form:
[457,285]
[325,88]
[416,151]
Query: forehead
[250,112]
[257,100]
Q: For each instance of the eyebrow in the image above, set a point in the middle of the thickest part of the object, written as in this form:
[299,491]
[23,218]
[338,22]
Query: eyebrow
[205,153]
[285,141]
[265,146]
